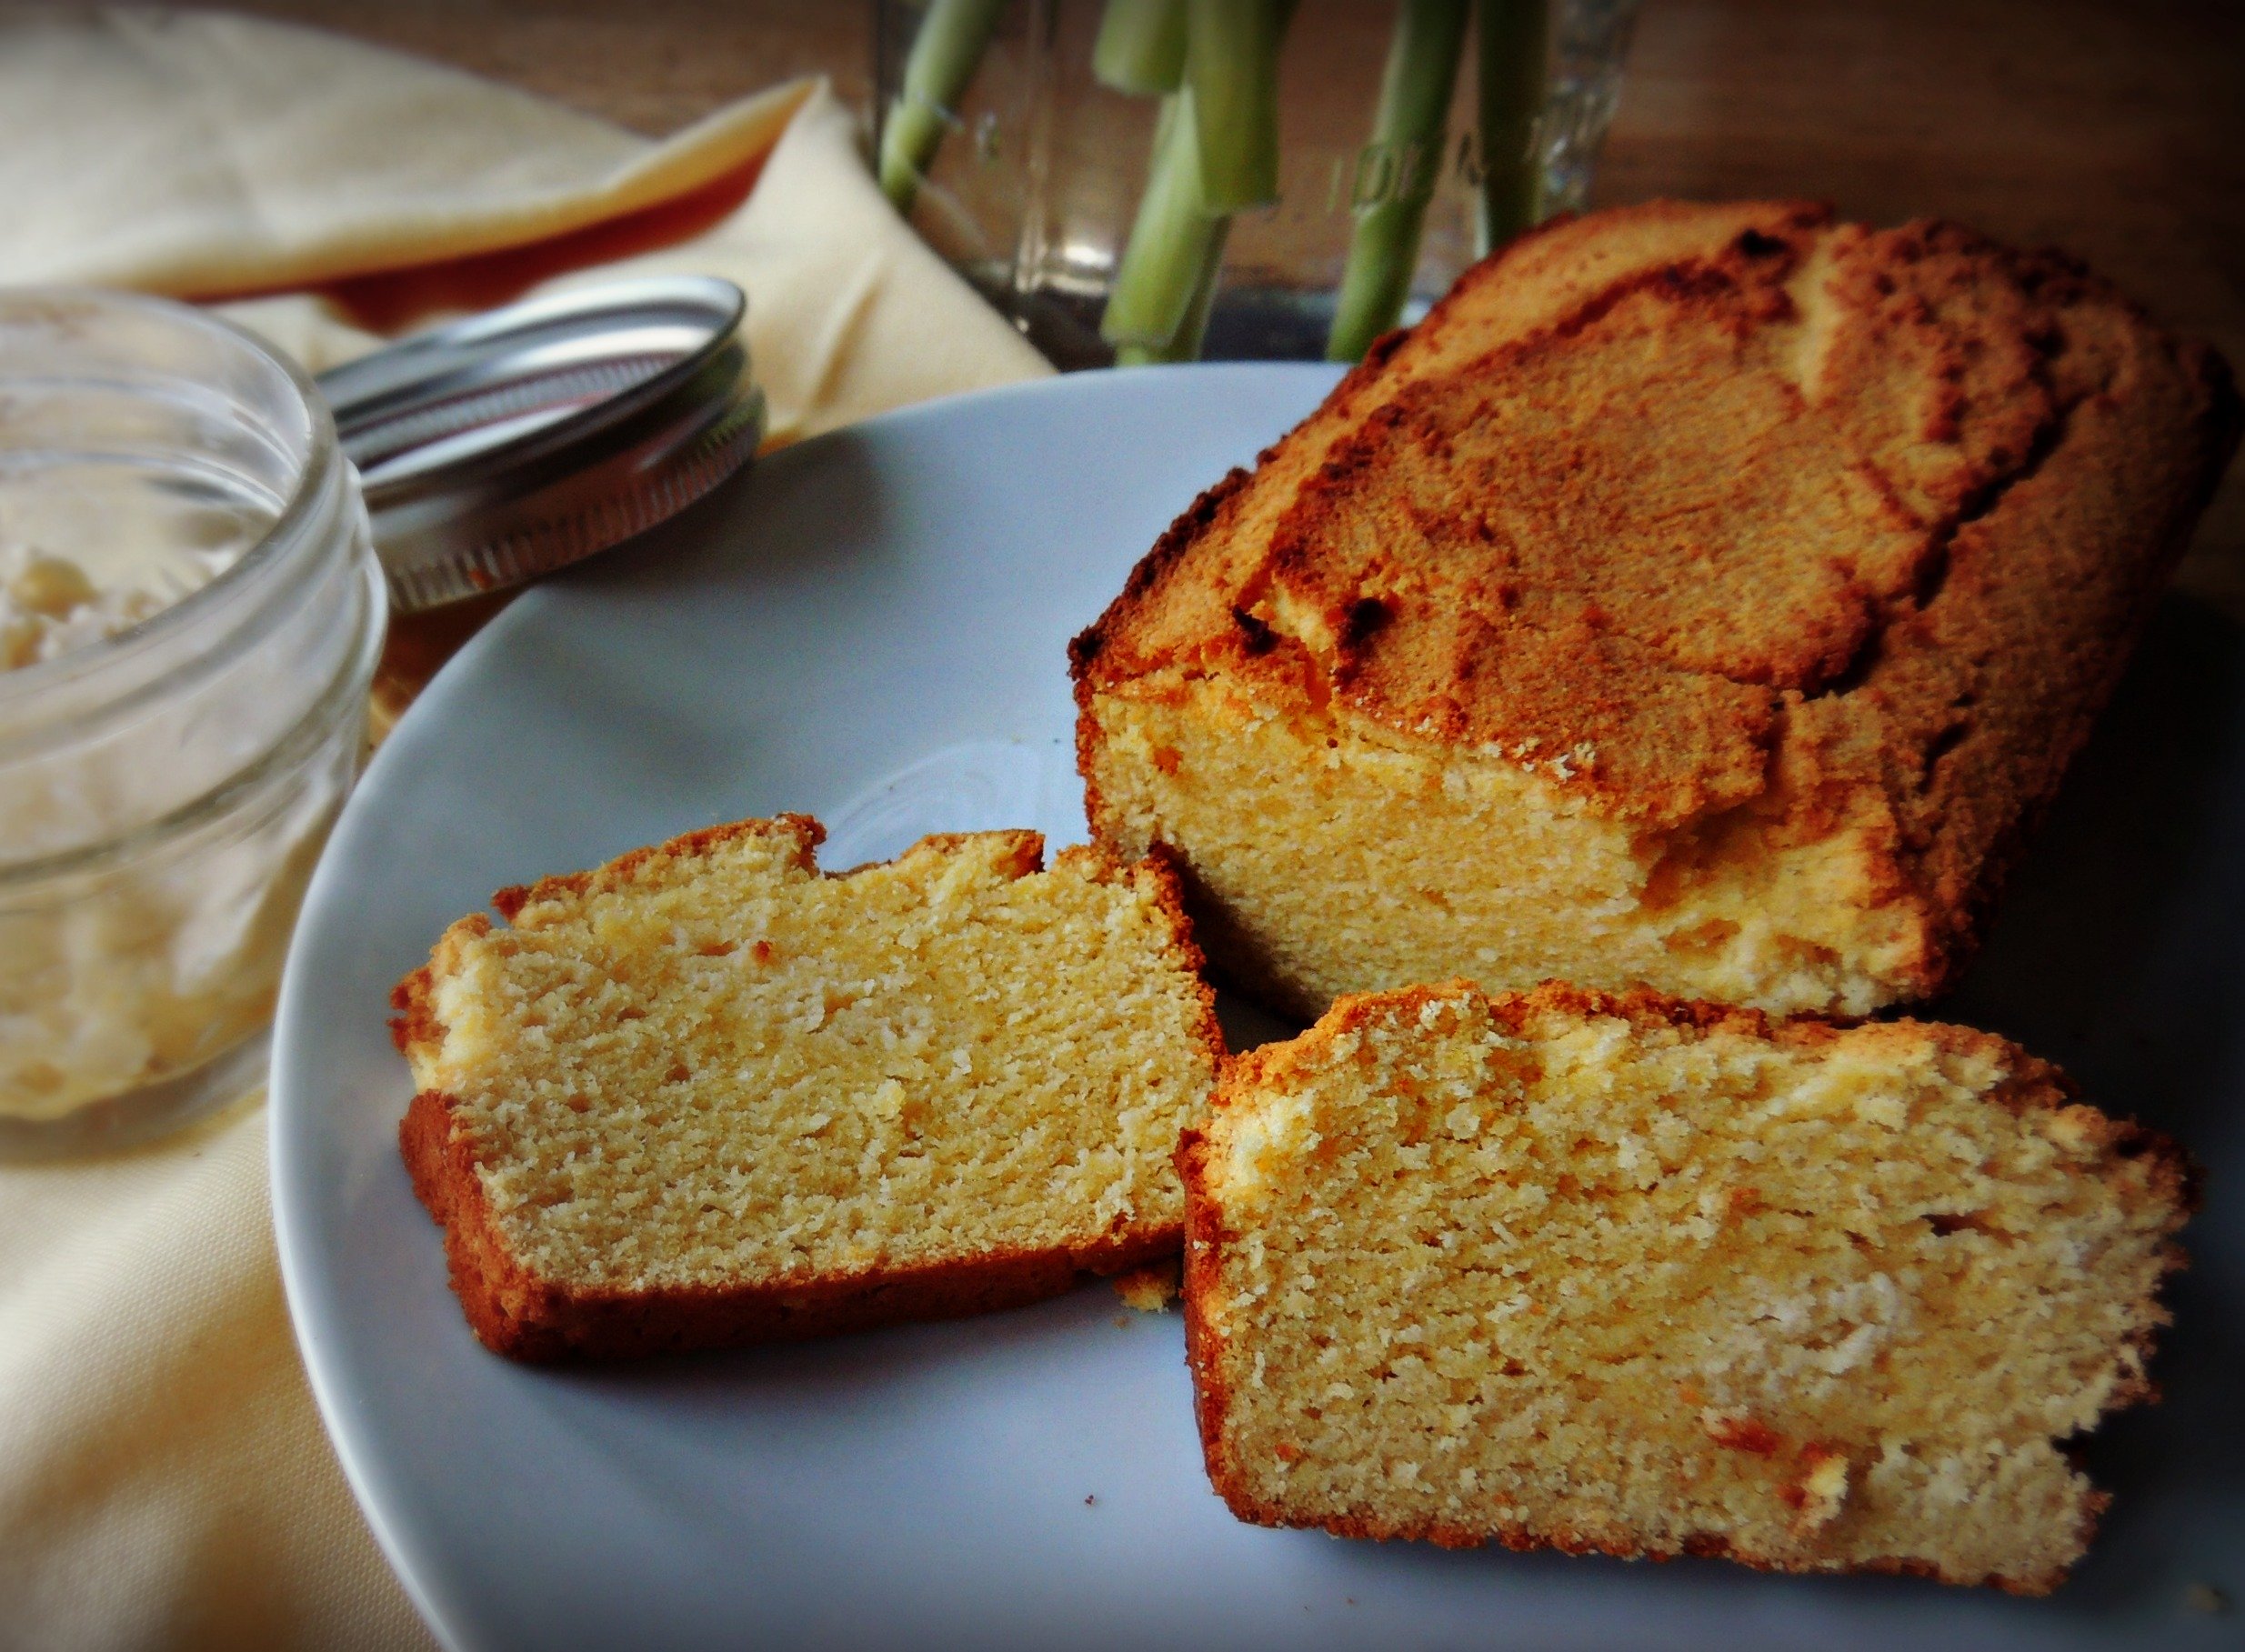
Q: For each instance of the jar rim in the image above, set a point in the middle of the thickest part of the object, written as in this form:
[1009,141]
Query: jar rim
[309,485]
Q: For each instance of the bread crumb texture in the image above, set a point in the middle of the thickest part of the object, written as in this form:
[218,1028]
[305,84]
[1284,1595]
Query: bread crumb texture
[708,1072]
[1702,596]
[1152,1288]
[1631,1275]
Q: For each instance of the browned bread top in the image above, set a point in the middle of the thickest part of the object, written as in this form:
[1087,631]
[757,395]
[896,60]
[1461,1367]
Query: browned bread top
[1685,506]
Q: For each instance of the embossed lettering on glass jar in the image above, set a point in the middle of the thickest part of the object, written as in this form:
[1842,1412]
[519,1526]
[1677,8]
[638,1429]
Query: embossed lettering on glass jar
[193,613]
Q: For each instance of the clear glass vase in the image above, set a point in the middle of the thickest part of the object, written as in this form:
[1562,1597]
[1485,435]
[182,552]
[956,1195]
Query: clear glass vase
[1036,168]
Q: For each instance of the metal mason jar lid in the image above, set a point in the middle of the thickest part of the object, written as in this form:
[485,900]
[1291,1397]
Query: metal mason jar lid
[511,444]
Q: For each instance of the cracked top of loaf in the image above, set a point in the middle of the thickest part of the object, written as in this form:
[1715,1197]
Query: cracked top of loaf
[1691,507]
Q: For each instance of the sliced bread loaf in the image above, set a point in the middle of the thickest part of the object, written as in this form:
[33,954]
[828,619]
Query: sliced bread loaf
[1701,596]
[706,1094]
[1653,1277]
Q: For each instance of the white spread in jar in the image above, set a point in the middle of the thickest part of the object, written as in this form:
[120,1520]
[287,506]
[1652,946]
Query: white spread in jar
[48,607]
[121,980]
[146,549]
[163,952]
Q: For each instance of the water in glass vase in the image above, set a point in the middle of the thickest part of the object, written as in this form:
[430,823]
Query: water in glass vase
[1143,180]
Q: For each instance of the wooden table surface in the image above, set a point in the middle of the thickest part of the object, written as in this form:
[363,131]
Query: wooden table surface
[2115,128]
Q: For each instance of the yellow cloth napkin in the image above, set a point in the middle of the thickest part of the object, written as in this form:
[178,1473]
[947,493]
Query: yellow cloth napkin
[163,1479]
[197,153]
[849,313]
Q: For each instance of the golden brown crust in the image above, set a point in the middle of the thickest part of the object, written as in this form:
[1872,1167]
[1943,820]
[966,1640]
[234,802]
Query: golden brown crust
[1204,1238]
[2032,1082]
[637,864]
[1164,868]
[514,1312]
[1729,506]
[416,1026]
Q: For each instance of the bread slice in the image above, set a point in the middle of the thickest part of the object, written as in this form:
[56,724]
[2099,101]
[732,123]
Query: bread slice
[706,1095]
[1652,1278]
[1702,596]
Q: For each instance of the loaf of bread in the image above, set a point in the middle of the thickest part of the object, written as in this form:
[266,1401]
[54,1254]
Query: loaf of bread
[706,1094]
[1652,1278]
[1702,596]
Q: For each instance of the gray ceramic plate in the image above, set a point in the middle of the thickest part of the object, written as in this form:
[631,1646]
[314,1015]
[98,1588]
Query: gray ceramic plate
[870,626]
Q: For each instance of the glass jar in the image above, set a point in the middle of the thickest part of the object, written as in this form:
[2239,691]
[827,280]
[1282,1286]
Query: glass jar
[1035,169]
[174,491]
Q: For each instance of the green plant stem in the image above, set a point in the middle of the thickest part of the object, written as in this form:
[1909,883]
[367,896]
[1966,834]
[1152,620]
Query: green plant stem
[1231,63]
[1193,331]
[1515,49]
[1184,342]
[950,42]
[1397,170]
[1141,46]
[1172,240]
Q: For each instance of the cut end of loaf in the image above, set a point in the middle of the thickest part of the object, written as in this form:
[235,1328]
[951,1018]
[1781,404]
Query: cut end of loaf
[1386,860]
